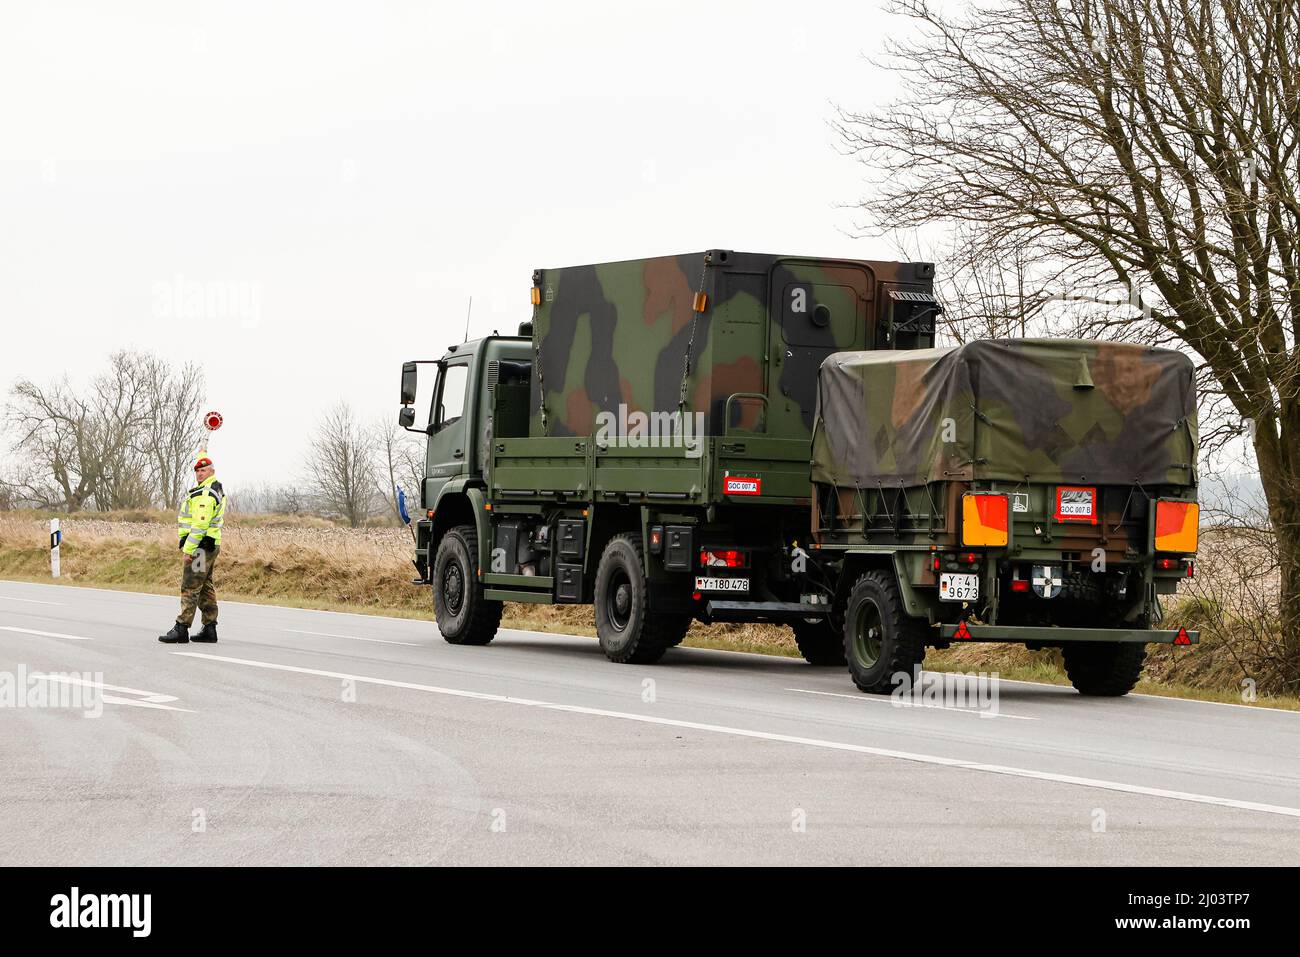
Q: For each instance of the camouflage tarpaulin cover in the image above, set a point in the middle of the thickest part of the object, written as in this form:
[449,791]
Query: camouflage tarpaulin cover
[1035,410]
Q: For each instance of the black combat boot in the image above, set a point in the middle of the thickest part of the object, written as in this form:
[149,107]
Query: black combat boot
[208,634]
[179,635]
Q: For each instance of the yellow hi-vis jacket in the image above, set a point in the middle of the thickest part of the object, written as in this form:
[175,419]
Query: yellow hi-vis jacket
[201,515]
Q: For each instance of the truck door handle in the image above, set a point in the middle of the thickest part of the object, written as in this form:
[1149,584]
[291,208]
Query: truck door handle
[458,454]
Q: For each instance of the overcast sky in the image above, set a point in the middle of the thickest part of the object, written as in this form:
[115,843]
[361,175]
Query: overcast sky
[347,175]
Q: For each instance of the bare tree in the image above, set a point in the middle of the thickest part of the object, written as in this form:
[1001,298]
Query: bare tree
[1150,144]
[115,445]
[401,464]
[172,432]
[341,470]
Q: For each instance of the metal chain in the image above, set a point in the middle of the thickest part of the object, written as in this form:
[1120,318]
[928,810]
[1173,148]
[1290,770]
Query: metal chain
[690,344]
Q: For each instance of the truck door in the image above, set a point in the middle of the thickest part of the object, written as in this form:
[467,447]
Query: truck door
[820,307]
[448,449]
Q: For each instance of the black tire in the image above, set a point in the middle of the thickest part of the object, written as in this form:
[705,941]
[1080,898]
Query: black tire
[1104,669]
[820,642]
[464,616]
[880,638]
[629,632]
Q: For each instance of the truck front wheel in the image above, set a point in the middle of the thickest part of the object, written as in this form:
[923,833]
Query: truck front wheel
[880,639]
[1106,669]
[464,616]
[629,632]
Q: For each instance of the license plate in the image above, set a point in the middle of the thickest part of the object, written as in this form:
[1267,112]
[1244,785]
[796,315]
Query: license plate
[1076,504]
[959,587]
[708,583]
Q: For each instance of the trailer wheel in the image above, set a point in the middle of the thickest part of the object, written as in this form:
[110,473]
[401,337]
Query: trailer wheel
[1104,668]
[464,616]
[880,638]
[819,642]
[629,632]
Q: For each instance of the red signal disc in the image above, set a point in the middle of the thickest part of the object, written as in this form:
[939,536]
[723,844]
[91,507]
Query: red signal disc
[212,421]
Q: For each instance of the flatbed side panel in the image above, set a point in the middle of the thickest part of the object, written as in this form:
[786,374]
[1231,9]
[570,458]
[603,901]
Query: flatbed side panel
[673,473]
[546,467]
[780,467]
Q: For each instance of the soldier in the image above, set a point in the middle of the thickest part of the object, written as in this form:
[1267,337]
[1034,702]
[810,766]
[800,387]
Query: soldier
[199,528]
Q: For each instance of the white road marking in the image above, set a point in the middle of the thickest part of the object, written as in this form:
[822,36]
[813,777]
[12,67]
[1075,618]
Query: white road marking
[883,699]
[326,634]
[30,601]
[705,652]
[1186,796]
[143,699]
[44,634]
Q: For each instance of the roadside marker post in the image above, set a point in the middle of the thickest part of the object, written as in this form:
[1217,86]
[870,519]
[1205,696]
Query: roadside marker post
[56,539]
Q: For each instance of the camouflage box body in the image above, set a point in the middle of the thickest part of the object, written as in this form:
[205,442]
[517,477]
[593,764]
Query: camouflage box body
[626,333]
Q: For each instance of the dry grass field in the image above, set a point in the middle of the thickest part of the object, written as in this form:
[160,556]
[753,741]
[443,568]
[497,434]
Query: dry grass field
[309,562]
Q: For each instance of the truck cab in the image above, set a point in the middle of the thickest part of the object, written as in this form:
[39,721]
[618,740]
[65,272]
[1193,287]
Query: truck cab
[476,390]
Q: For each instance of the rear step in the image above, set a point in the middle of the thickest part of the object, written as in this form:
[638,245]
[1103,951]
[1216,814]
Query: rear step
[776,611]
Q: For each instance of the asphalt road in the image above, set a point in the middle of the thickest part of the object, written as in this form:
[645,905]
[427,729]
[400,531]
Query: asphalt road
[324,738]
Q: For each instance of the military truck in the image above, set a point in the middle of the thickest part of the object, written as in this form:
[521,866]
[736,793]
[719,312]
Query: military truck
[644,446]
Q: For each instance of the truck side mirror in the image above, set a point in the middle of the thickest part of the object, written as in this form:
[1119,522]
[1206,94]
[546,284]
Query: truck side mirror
[406,417]
[409,377]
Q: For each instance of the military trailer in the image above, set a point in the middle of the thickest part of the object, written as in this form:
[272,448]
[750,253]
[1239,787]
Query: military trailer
[644,446]
[1041,492]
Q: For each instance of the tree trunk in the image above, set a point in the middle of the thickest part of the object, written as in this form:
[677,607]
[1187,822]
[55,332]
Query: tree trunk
[1280,477]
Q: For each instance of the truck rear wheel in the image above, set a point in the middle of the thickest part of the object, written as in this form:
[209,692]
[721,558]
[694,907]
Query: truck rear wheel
[629,632]
[464,616]
[1104,668]
[819,642]
[880,638]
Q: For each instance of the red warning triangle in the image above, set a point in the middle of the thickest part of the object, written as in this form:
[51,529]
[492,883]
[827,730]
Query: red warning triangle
[1181,638]
[962,631]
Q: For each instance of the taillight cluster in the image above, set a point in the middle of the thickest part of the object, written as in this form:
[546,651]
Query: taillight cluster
[723,558]
[938,561]
[1186,566]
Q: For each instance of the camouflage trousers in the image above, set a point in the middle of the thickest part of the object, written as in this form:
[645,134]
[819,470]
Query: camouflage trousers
[198,592]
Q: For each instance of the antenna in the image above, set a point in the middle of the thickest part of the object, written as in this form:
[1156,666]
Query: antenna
[468,310]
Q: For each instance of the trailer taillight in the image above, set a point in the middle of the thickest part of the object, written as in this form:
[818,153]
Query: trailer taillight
[984,519]
[723,558]
[1176,525]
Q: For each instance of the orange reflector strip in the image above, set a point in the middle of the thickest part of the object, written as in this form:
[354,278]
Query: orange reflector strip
[1176,526]
[984,519]
[536,296]
[701,302]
